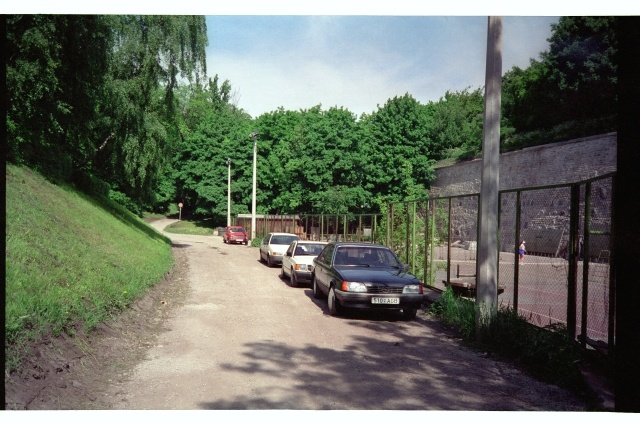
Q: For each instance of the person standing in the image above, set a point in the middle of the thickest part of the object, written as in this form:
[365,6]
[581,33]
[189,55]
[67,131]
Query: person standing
[521,251]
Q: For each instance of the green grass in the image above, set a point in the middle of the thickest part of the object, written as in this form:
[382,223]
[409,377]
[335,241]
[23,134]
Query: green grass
[72,261]
[203,227]
[547,353]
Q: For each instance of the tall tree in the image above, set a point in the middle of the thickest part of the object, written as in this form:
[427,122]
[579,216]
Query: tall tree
[572,88]
[583,61]
[96,93]
[456,128]
[150,54]
[56,70]
[307,158]
[211,131]
[398,149]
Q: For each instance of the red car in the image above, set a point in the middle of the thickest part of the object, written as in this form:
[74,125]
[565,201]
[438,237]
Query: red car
[235,235]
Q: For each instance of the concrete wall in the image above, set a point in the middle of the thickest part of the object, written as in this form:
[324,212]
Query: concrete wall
[544,213]
[565,162]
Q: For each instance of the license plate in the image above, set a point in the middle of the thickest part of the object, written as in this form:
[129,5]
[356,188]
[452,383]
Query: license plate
[386,300]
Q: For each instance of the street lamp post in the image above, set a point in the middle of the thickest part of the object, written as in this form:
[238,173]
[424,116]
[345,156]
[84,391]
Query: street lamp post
[254,135]
[228,192]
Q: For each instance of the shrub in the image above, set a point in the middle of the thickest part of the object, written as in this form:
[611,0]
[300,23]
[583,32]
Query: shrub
[548,353]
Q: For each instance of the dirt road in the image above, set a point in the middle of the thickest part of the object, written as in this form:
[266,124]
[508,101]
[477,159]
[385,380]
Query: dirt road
[244,339]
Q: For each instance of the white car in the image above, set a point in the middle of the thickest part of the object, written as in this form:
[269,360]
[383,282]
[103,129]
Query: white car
[297,263]
[273,247]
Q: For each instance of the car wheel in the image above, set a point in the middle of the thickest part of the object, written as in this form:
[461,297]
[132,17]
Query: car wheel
[269,264]
[246,242]
[282,274]
[294,280]
[334,305]
[224,241]
[261,260]
[316,290]
[409,313]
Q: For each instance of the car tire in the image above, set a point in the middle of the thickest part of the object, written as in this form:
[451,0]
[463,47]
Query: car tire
[224,241]
[409,313]
[334,306]
[261,260]
[269,264]
[294,280]
[246,242]
[282,274]
[316,290]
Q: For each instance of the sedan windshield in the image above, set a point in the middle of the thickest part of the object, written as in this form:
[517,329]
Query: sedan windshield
[366,256]
[308,249]
[284,239]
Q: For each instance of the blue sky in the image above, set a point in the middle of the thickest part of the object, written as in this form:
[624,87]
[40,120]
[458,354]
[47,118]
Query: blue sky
[360,62]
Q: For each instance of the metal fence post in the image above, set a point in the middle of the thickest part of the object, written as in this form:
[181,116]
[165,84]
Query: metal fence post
[449,244]
[390,227]
[413,240]
[433,227]
[406,233]
[425,280]
[516,257]
[572,277]
[585,263]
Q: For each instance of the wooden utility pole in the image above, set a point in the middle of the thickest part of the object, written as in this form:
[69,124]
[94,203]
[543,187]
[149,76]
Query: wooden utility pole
[487,263]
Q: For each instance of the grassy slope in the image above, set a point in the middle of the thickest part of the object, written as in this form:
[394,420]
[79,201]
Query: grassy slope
[71,261]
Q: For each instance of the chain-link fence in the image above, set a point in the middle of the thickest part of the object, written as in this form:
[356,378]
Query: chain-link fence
[554,251]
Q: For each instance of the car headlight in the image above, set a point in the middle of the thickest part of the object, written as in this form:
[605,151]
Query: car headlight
[412,288]
[352,286]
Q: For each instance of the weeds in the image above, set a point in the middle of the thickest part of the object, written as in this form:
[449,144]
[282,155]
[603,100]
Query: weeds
[547,353]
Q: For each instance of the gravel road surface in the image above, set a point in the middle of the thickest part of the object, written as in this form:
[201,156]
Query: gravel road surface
[243,339]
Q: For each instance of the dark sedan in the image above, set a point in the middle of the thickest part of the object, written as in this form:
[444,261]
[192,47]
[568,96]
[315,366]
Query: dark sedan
[365,275]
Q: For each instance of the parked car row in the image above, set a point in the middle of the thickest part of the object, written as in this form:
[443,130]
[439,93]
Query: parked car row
[347,274]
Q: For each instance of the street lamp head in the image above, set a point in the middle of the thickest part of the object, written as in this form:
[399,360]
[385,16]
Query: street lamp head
[254,134]
[228,161]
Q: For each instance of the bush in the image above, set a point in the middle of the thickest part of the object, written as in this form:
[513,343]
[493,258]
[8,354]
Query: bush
[124,200]
[90,184]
